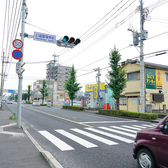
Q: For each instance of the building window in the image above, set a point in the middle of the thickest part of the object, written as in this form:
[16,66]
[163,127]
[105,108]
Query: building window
[167,77]
[132,76]
[123,101]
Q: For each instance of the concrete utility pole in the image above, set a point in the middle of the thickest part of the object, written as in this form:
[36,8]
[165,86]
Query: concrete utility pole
[98,81]
[2,76]
[21,60]
[142,78]
[54,55]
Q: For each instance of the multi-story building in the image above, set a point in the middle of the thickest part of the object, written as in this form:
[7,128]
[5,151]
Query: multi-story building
[51,86]
[156,86]
[58,73]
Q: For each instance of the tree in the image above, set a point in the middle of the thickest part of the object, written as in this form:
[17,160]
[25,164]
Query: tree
[116,76]
[71,85]
[16,96]
[24,96]
[28,93]
[44,91]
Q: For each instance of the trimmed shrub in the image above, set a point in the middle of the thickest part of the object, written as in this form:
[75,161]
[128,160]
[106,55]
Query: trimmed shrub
[128,113]
[76,108]
[43,104]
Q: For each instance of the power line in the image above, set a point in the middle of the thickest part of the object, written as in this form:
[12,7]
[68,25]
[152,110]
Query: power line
[103,36]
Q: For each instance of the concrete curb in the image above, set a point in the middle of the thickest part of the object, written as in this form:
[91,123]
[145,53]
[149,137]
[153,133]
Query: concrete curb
[47,155]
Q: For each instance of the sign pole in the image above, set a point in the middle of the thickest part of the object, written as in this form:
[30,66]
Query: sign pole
[20,76]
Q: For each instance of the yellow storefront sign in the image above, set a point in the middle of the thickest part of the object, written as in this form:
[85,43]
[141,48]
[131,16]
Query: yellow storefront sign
[89,88]
[158,79]
[95,92]
[66,95]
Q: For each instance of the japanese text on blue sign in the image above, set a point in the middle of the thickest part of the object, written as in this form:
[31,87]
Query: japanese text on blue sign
[44,37]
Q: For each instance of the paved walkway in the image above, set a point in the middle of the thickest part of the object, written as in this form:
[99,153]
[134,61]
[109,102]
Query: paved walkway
[16,148]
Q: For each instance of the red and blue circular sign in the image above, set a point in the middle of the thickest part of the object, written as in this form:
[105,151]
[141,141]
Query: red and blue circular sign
[17,43]
[17,54]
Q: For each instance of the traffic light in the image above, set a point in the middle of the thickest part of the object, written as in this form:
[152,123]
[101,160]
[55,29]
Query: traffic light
[19,67]
[68,42]
[135,39]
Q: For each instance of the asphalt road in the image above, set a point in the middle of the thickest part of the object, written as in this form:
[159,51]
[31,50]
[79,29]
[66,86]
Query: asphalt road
[82,139]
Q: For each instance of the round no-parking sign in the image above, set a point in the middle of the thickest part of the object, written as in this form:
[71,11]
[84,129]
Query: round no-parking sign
[17,43]
[17,54]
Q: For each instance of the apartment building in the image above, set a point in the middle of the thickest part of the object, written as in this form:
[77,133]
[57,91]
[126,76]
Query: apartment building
[156,86]
[58,73]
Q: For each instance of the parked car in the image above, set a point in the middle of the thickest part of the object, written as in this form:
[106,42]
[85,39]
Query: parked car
[9,102]
[151,146]
[36,103]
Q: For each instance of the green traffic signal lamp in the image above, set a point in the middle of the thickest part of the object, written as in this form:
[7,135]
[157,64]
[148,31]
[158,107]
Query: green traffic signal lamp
[65,39]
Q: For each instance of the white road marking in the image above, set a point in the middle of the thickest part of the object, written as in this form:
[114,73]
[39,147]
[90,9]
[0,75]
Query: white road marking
[77,139]
[94,122]
[138,126]
[119,132]
[98,138]
[111,135]
[56,141]
[124,129]
[131,127]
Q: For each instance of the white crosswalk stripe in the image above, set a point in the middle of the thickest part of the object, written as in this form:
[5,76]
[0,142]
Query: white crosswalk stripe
[149,125]
[96,134]
[131,127]
[139,126]
[120,132]
[57,142]
[77,139]
[103,140]
[124,129]
[111,135]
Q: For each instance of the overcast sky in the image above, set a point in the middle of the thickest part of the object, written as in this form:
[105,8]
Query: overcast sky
[76,19]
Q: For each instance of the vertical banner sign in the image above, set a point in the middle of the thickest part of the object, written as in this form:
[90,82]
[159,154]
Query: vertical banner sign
[150,78]
[95,92]
[158,79]
[153,78]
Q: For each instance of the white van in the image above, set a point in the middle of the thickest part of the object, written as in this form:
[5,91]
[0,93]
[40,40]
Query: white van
[36,102]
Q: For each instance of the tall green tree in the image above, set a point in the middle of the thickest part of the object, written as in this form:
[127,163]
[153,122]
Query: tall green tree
[44,91]
[16,96]
[116,76]
[71,85]
[28,93]
[24,96]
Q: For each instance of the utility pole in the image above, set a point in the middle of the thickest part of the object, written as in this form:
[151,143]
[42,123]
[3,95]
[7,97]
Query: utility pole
[54,55]
[52,97]
[142,78]
[2,76]
[21,60]
[98,81]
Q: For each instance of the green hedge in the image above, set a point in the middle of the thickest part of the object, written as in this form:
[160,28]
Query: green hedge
[43,104]
[77,108]
[128,114]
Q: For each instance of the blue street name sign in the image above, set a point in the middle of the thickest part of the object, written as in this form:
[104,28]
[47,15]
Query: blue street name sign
[44,37]
[11,91]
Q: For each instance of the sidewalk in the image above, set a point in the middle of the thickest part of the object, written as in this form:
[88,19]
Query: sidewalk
[16,149]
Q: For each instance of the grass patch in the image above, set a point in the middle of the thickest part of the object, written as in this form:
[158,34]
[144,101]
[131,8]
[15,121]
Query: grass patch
[13,117]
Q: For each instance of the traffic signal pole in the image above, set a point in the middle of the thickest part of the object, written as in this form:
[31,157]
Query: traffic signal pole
[21,60]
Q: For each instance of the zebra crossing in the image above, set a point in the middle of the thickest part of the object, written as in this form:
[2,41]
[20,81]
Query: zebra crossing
[112,135]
